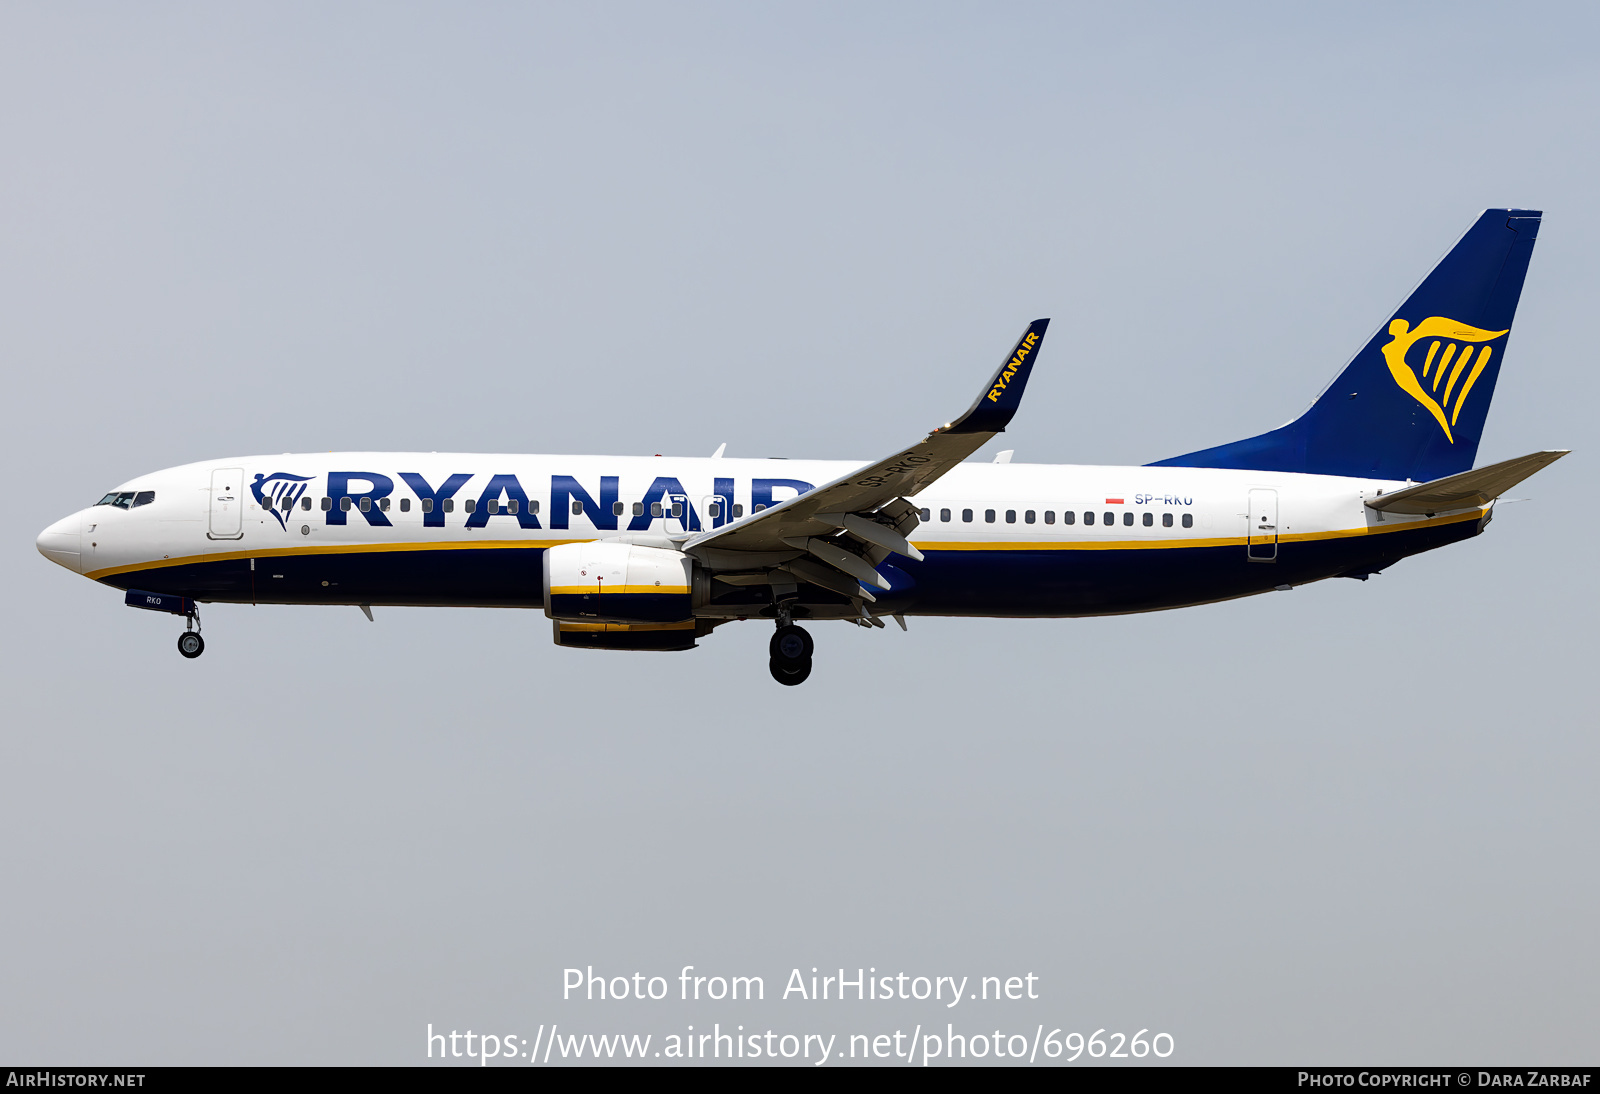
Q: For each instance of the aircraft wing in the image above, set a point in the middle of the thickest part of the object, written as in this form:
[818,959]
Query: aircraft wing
[1469,489]
[835,535]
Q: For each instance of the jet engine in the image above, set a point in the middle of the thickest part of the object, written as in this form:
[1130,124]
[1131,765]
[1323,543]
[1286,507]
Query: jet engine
[611,582]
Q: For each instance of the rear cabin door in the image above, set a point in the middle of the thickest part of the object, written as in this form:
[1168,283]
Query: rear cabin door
[1261,537]
[227,505]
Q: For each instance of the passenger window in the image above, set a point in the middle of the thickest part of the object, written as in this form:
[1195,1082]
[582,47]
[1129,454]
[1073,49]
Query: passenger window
[143,497]
[366,505]
[1088,516]
[1050,516]
[1149,519]
[405,505]
[344,504]
[1188,520]
[470,504]
[577,508]
[512,505]
[944,515]
[738,511]
[305,503]
[677,510]
[533,506]
[450,505]
[924,515]
[1011,516]
[384,505]
[988,515]
[1068,516]
[714,510]
[327,503]
[1108,518]
[1027,518]
[638,508]
[1127,519]
[1166,520]
[427,505]
[655,509]
[616,508]
[494,506]
[966,515]
[757,509]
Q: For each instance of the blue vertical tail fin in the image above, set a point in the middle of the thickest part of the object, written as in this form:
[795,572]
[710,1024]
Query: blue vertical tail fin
[1412,403]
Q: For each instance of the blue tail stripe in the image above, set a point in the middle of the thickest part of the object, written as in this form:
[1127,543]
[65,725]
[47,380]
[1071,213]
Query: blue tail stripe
[1383,417]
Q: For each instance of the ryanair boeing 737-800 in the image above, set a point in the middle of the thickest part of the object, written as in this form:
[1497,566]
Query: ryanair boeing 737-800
[653,553]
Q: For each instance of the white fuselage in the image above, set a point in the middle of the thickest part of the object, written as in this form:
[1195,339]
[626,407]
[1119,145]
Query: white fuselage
[985,527]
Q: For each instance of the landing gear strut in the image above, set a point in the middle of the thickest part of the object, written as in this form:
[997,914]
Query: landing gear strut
[190,644]
[790,650]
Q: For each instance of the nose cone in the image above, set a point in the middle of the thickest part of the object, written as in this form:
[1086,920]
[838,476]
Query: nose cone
[60,543]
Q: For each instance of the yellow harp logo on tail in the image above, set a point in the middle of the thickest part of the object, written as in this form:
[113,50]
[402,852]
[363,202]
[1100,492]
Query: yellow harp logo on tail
[1448,335]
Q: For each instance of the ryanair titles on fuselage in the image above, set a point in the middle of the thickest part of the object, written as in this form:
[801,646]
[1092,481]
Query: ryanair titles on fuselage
[362,494]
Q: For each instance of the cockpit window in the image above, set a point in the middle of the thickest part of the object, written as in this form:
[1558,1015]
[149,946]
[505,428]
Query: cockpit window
[123,500]
[143,497]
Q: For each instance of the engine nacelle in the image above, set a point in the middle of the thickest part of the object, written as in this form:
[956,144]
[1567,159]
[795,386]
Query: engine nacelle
[601,582]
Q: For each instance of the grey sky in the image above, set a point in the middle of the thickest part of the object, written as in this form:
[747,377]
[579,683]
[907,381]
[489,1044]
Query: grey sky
[1353,823]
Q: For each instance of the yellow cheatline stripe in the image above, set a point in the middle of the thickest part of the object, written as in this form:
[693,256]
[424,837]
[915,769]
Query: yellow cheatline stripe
[1155,544]
[333,549]
[684,626]
[1152,543]
[619,590]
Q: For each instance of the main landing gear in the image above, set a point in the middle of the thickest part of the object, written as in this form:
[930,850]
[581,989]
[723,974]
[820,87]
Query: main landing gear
[190,644]
[790,651]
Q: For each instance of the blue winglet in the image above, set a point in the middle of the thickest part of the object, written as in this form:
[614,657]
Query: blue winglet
[992,411]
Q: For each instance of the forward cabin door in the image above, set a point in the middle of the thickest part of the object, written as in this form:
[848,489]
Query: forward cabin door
[1261,538]
[227,503]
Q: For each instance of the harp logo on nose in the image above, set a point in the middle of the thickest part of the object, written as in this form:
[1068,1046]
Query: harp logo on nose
[277,493]
[1451,348]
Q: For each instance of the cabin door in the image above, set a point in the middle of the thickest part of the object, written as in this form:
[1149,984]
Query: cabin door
[227,503]
[1261,538]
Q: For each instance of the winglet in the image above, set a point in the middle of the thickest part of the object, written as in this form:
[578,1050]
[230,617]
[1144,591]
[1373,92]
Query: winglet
[992,411]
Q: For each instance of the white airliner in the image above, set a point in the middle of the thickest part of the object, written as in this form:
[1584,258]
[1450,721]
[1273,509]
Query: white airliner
[652,553]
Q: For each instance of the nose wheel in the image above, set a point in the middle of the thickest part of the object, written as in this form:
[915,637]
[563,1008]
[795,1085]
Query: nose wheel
[790,655]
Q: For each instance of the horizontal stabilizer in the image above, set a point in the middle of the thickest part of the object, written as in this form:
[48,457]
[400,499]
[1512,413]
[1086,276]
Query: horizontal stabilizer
[1468,490]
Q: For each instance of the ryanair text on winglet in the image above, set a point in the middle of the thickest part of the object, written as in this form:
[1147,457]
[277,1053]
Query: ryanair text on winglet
[1011,368]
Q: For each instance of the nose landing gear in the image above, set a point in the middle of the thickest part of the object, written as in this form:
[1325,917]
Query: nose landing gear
[190,644]
[790,655]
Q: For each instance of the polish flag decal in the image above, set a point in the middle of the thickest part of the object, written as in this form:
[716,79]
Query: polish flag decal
[1113,501]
